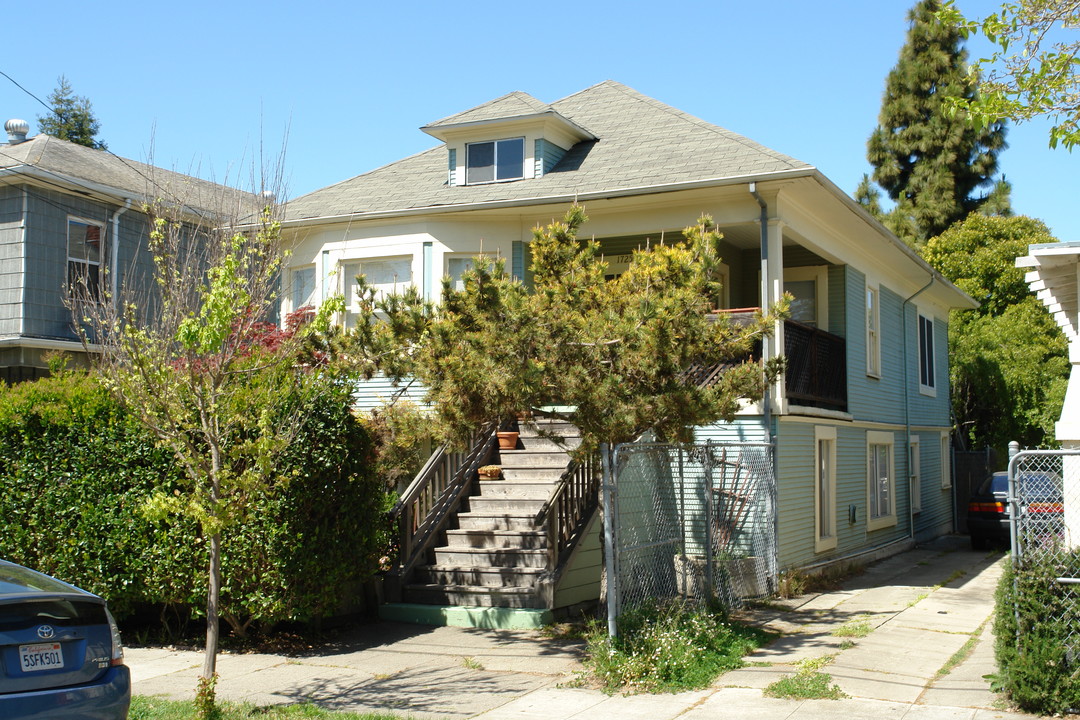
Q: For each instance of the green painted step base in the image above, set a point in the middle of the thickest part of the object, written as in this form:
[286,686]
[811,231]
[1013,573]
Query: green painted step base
[490,618]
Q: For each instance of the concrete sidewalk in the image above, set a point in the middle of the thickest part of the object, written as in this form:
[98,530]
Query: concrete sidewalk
[888,633]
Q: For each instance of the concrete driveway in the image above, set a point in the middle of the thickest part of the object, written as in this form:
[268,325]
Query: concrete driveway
[908,639]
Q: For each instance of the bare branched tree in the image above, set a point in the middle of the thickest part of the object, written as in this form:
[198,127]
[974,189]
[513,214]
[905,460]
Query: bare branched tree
[189,350]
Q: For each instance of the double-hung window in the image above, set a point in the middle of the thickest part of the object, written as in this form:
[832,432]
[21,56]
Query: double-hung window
[825,482]
[915,473]
[385,276]
[880,480]
[85,253]
[495,161]
[303,287]
[873,333]
[926,354]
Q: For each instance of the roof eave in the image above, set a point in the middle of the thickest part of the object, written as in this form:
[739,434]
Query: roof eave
[554,199]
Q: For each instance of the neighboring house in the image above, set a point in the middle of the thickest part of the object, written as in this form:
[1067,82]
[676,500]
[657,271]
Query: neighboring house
[69,211]
[860,422]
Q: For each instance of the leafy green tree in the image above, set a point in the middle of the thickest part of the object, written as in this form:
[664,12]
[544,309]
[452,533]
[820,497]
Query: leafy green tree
[1030,74]
[196,364]
[931,164]
[1008,360]
[616,351]
[71,118]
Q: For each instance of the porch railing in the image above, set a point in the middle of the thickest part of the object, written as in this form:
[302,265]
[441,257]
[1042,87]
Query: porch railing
[816,372]
[427,504]
[570,505]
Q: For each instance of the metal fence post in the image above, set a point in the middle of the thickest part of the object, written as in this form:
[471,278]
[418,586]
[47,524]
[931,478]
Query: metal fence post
[609,538]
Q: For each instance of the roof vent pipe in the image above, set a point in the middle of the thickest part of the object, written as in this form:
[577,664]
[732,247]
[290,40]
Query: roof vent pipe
[16,130]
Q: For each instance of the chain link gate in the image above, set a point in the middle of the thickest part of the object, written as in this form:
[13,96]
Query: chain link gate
[1044,503]
[690,521]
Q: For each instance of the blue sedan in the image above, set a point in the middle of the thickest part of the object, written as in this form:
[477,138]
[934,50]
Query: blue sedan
[60,652]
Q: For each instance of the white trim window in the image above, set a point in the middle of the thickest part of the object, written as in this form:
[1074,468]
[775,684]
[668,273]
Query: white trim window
[458,265]
[927,370]
[85,252]
[302,287]
[873,332]
[495,161]
[880,480]
[946,465]
[824,488]
[385,275]
[809,286]
[915,473]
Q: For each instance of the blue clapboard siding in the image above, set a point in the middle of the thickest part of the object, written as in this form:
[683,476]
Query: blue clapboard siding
[11,259]
[379,390]
[547,154]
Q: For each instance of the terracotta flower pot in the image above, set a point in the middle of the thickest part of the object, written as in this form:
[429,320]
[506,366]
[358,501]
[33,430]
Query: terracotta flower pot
[507,440]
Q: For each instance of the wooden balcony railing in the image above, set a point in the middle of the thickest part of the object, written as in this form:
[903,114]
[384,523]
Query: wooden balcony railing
[816,371]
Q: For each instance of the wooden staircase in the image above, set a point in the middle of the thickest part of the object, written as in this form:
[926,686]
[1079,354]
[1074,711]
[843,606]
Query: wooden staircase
[500,544]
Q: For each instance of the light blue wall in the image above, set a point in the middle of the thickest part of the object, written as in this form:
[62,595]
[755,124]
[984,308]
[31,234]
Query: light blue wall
[548,155]
[379,390]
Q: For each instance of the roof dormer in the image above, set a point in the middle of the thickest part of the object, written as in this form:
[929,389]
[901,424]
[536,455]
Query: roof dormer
[515,137]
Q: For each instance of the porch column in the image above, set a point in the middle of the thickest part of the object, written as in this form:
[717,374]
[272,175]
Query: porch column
[1068,434]
[772,287]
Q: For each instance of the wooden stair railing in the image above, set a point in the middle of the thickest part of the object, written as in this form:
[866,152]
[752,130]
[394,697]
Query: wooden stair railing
[429,501]
[567,510]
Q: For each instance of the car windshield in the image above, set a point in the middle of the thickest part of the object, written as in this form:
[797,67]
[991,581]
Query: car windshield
[1032,485]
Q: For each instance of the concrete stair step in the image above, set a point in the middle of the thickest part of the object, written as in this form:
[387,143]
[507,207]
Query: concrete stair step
[523,489]
[469,595]
[533,474]
[553,458]
[496,521]
[478,576]
[532,428]
[491,557]
[497,539]
[503,505]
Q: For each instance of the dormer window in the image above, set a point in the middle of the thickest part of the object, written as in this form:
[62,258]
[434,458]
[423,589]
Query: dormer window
[495,161]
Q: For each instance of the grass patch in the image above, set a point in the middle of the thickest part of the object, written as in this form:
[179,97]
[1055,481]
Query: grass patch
[848,644]
[152,708]
[471,663]
[854,629]
[795,582]
[956,575]
[808,683]
[667,648]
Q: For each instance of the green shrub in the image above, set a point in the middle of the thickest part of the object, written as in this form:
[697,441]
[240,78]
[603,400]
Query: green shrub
[668,647]
[75,474]
[1036,626]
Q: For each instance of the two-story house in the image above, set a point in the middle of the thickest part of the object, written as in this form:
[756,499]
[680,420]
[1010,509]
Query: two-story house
[861,419]
[69,212]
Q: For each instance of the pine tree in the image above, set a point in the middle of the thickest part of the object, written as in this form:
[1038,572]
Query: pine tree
[930,163]
[72,117]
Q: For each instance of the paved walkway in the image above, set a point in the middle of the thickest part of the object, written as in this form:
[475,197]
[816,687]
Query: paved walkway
[889,637]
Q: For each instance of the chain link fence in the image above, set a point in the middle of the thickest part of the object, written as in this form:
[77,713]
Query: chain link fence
[691,521]
[1044,503]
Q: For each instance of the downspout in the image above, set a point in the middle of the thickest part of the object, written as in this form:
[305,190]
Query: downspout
[907,405]
[766,301]
[116,247]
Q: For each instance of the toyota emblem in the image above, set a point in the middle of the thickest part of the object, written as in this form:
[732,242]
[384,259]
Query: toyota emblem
[45,632]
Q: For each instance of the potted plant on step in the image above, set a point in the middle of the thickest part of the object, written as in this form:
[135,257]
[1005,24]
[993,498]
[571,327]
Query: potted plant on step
[490,472]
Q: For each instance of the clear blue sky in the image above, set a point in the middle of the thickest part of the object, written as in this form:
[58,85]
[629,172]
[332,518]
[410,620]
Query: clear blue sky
[203,85]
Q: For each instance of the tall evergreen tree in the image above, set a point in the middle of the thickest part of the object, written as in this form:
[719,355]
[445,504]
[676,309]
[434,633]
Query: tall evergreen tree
[72,117]
[931,163]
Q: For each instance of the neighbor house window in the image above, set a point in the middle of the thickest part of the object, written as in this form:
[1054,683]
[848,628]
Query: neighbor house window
[385,275]
[880,480]
[926,354]
[825,483]
[915,473]
[494,161]
[303,287]
[84,256]
[873,333]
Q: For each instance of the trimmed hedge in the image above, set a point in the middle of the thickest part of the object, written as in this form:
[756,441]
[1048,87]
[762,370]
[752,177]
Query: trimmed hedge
[76,470]
[1037,634]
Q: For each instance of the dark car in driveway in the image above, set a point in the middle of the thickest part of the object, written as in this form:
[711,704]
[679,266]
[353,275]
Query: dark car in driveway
[1038,495]
[60,652]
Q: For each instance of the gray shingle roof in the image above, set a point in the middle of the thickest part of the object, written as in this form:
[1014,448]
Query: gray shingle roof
[641,143]
[61,161]
[512,104]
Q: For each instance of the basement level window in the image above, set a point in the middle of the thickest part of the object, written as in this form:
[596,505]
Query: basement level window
[495,161]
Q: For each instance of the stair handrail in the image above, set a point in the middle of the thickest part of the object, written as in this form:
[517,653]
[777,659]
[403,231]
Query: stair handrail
[575,496]
[430,498]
